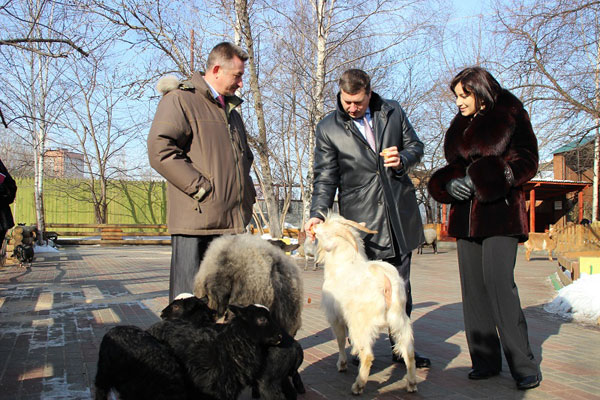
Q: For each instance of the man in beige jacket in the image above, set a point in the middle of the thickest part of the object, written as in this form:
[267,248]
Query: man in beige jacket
[197,142]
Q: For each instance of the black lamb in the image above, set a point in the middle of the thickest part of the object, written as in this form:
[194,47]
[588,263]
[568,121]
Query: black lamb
[281,364]
[191,309]
[221,360]
[138,366]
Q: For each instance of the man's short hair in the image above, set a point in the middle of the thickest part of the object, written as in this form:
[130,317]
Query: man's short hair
[224,52]
[353,81]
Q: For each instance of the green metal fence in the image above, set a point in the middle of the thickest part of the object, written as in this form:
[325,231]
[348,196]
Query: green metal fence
[70,201]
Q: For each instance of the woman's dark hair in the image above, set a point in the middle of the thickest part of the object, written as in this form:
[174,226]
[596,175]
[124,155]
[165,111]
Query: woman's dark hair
[480,83]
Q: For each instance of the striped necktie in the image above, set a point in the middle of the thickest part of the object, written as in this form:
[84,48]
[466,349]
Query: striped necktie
[369,134]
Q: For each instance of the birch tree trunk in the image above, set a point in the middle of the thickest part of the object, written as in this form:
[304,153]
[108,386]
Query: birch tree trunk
[318,97]
[39,74]
[597,140]
[39,182]
[595,185]
[241,7]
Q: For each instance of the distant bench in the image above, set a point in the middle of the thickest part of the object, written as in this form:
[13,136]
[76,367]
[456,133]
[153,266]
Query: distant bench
[110,234]
[120,234]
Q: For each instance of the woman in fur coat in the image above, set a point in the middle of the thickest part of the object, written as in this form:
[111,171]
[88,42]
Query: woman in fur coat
[491,152]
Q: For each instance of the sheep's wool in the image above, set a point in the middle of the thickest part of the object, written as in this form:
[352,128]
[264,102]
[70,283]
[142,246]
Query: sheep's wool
[245,269]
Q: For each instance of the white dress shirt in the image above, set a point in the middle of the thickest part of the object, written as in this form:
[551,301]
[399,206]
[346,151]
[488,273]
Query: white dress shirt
[360,123]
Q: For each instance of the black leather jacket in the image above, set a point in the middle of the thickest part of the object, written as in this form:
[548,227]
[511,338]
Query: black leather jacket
[8,191]
[381,197]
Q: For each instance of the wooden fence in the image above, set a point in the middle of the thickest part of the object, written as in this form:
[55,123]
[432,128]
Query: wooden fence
[574,242]
[577,238]
[69,201]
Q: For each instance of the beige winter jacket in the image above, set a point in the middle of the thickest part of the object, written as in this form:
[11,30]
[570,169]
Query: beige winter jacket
[194,143]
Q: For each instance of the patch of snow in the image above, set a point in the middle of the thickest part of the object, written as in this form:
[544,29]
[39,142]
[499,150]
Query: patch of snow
[58,387]
[44,249]
[579,300]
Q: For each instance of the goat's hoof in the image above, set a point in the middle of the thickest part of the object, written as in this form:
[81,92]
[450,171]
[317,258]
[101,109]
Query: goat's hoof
[357,388]
[411,387]
[410,384]
[342,366]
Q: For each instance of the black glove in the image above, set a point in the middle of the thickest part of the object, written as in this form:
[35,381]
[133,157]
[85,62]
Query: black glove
[461,188]
[469,183]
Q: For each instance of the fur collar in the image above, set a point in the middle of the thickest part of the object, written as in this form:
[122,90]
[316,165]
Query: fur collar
[485,135]
[170,82]
[376,104]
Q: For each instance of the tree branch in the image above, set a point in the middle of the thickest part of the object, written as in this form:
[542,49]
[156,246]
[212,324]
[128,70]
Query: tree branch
[17,43]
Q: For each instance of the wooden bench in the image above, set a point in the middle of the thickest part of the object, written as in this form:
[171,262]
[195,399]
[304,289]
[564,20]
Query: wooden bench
[110,234]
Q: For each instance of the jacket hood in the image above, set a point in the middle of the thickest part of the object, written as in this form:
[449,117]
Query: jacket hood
[170,83]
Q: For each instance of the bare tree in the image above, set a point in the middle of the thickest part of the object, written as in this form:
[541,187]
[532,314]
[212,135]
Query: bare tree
[34,96]
[16,154]
[42,39]
[321,38]
[98,124]
[553,50]
[156,33]
[261,143]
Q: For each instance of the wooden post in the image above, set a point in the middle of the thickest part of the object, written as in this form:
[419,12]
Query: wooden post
[192,52]
[532,210]
[444,222]
[580,201]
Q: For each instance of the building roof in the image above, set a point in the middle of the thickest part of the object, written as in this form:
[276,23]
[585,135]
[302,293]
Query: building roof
[574,145]
[550,188]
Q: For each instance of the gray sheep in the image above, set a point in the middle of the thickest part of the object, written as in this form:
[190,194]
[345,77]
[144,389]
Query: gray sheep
[244,270]
[430,239]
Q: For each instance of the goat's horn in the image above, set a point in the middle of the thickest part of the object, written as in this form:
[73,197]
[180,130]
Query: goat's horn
[358,226]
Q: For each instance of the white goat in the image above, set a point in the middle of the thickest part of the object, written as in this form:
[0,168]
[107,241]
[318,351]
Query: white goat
[363,298]
[308,250]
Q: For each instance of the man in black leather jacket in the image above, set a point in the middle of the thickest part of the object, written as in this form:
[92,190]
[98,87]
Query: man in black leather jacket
[364,150]
[8,191]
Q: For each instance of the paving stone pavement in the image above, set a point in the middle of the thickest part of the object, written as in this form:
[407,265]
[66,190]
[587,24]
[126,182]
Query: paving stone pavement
[53,316]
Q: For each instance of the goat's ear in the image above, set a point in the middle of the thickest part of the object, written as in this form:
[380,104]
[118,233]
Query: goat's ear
[346,235]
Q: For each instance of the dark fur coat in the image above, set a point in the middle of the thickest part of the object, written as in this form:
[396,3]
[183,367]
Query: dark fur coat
[488,148]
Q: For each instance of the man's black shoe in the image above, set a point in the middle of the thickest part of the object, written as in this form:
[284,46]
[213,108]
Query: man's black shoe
[477,375]
[529,382]
[420,361]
